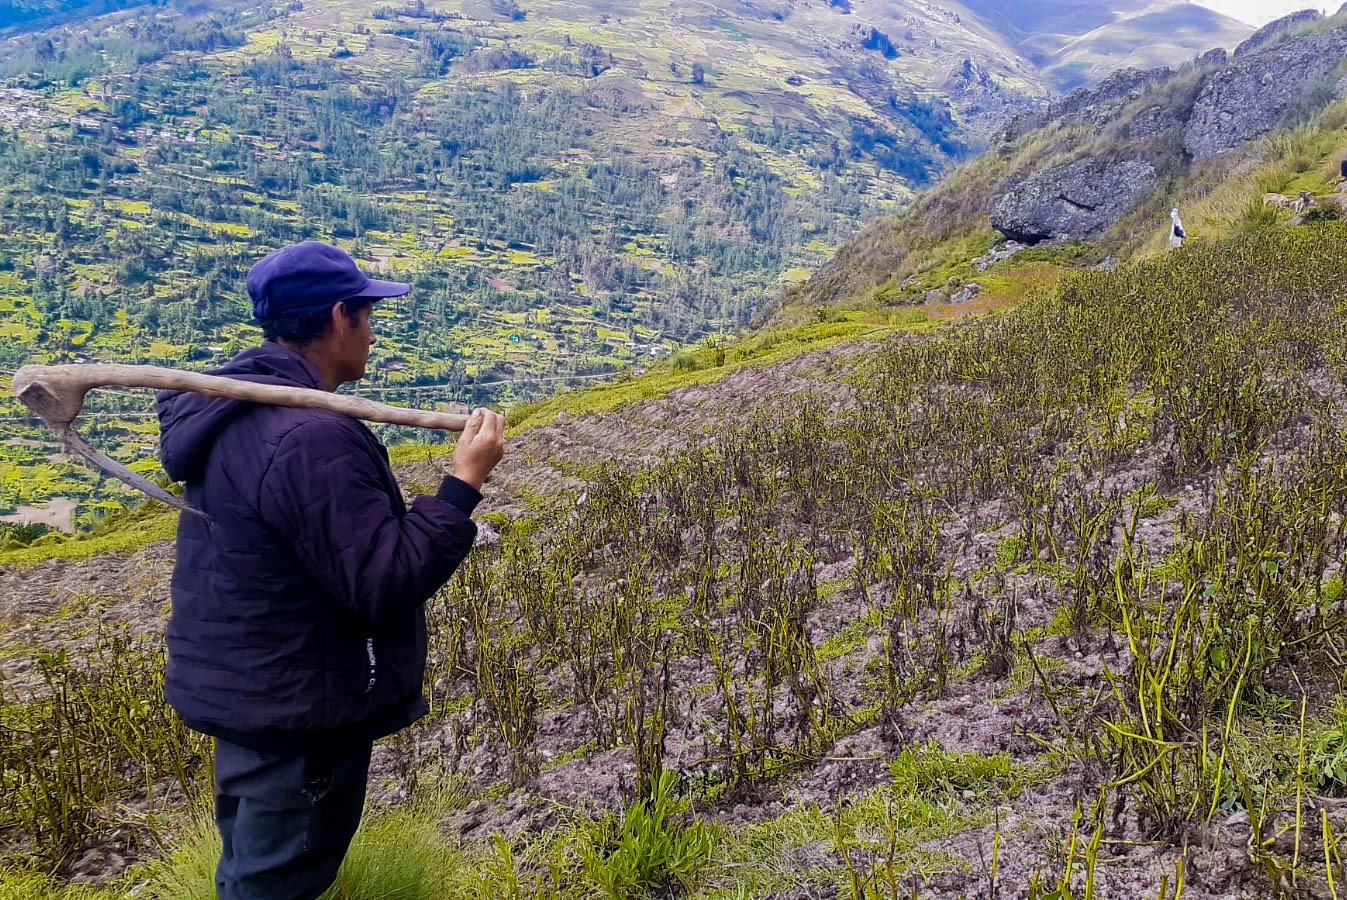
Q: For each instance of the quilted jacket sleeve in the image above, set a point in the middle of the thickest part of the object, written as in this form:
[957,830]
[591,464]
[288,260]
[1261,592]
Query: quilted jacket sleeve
[324,492]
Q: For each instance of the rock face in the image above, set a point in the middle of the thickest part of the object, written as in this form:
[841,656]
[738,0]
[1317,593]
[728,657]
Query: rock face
[1153,122]
[1255,94]
[1272,32]
[1217,56]
[1076,201]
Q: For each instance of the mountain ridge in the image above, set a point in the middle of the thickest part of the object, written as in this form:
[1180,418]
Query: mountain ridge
[1078,44]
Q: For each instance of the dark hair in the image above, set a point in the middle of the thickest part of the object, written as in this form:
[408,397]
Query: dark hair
[305,329]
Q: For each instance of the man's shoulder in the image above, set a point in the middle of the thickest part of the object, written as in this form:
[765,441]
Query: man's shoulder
[273,429]
[322,427]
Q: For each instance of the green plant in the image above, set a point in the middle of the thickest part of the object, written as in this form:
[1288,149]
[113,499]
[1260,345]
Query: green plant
[96,731]
[1327,762]
[395,854]
[647,848]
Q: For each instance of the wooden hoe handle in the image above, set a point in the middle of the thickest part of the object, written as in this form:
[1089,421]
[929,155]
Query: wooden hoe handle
[56,393]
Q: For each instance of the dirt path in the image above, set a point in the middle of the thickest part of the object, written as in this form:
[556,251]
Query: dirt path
[58,513]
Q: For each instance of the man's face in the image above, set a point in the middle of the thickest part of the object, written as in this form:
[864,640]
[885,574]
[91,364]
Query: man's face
[353,342]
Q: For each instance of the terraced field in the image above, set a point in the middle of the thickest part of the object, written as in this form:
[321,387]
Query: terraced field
[573,190]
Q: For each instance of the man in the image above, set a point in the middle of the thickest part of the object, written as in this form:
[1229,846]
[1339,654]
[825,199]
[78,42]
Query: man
[297,636]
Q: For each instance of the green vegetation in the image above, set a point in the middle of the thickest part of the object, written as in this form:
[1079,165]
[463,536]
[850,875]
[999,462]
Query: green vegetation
[396,854]
[1163,447]
[1093,544]
[931,245]
[121,531]
[645,850]
[882,836]
[567,201]
[701,365]
[95,732]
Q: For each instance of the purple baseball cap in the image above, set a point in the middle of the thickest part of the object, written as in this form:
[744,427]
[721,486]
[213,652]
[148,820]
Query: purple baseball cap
[310,277]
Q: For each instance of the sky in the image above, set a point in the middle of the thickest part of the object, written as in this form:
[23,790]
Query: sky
[1260,12]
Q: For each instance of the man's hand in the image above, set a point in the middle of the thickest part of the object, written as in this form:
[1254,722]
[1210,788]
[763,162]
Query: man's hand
[480,447]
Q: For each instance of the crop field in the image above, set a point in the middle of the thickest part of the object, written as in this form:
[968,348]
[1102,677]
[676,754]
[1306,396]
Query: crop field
[1047,603]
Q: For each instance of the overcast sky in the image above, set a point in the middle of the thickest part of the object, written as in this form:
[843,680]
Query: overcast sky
[1260,12]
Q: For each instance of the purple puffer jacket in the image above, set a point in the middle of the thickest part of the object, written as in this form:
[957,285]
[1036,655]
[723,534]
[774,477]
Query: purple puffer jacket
[297,617]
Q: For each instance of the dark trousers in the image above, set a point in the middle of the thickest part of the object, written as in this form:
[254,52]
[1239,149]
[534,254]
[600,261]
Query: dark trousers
[285,820]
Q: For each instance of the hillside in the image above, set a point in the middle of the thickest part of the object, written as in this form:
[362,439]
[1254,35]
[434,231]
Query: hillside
[17,15]
[1047,601]
[946,614]
[1091,178]
[575,189]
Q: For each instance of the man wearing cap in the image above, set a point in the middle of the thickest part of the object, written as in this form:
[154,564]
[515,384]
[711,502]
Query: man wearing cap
[297,636]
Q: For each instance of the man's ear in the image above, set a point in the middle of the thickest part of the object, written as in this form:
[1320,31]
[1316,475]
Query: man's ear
[340,323]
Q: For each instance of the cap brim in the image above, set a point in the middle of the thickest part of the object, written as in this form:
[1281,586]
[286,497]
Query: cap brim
[380,289]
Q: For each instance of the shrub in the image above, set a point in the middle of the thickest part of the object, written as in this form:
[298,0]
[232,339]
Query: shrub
[648,848]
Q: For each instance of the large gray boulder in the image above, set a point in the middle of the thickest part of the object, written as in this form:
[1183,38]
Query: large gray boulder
[1077,201]
[1258,91]
[1272,32]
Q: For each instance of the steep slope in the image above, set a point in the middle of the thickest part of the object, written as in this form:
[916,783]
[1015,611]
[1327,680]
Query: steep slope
[574,189]
[944,613]
[932,615]
[1094,175]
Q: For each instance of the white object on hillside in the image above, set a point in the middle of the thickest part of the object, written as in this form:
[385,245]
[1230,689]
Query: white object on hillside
[1176,232]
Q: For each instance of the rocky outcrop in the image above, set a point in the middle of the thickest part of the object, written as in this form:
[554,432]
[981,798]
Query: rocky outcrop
[1272,32]
[1217,56]
[1257,93]
[1077,201]
[996,254]
[1090,106]
[1153,122]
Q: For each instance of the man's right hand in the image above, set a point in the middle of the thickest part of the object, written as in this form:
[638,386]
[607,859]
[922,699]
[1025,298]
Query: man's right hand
[480,447]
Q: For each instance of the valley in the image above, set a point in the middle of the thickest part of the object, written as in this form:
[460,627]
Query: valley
[576,191]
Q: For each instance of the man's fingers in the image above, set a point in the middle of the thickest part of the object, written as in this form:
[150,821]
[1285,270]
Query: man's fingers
[474,425]
[488,432]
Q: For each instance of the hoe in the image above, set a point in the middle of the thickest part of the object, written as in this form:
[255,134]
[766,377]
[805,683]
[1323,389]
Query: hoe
[56,395]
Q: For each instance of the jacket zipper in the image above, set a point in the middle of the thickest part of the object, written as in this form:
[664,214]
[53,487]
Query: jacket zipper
[373,664]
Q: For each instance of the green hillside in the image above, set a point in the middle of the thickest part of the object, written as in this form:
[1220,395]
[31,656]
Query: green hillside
[572,191]
[575,190]
[1047,603]
[933,245]
[1050,582]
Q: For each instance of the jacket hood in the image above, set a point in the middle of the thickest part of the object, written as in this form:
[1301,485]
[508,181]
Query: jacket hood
[189,423]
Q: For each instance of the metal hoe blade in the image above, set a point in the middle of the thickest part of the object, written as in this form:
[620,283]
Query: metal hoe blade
[79,446]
